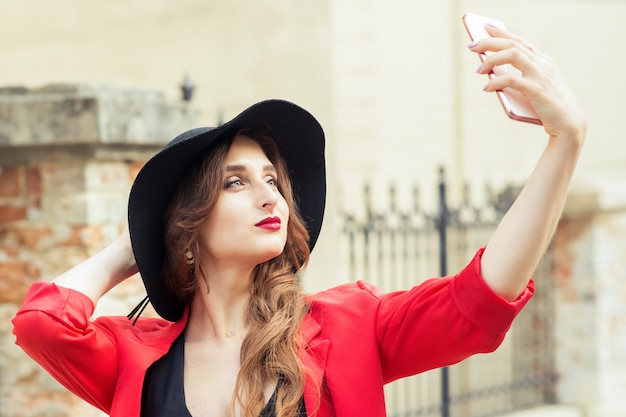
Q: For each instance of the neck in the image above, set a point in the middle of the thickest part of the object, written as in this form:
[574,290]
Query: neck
[220,313]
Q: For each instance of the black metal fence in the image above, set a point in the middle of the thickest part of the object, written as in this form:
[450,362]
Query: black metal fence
[392,248]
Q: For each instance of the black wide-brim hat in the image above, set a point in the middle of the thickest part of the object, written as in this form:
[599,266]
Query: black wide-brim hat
[300,139]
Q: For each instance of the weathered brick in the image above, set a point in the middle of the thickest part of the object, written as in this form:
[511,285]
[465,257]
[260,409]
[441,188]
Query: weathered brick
[9,182]
[15,278]
[106,176]
[73,238]
[33,181]
[62,179]
[82,236]
[34,202]
[133,170]
[64,208]
[91,236]
[11,250]
[31,236]
[10,213]
[60,259]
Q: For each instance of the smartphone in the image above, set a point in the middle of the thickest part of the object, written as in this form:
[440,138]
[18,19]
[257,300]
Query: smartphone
[515,105]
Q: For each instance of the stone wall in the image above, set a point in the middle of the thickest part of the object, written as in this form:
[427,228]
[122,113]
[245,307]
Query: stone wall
[590,300]
[68,156]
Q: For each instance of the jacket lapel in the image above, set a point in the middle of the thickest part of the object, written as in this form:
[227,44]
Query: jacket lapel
[313,356]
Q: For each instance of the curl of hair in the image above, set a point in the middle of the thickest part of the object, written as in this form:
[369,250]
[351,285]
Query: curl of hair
[194,199]
[277,306]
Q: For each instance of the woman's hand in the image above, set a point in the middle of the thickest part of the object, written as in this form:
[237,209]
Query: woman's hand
[540,81]
[524,233]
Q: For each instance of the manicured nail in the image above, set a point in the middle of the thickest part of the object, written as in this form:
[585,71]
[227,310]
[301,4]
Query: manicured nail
[472,44]
[485,87]
[480,67]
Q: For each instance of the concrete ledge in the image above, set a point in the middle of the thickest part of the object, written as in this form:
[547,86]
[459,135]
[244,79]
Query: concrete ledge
[79,114]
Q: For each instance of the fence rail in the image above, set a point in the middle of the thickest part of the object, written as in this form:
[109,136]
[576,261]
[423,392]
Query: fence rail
[393,248]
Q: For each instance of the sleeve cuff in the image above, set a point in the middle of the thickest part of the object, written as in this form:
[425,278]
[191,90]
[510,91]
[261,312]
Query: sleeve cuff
[67,305]
[480,304]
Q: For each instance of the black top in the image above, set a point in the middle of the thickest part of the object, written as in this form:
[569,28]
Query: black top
[163,393]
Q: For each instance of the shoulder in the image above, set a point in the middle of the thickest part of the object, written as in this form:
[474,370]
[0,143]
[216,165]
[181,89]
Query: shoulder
[345,305]
[359,291]
[146,330]
[119,324]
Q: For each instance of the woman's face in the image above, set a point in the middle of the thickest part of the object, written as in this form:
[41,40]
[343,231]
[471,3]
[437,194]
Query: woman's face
[249,221]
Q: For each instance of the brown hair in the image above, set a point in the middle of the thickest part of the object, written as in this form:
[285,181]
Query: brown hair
[277,306]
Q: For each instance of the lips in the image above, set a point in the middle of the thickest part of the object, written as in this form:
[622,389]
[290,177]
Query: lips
[269,223]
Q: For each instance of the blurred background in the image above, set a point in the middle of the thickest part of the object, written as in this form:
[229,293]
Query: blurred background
[90,89]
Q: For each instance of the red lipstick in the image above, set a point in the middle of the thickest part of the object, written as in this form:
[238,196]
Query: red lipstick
[269,223]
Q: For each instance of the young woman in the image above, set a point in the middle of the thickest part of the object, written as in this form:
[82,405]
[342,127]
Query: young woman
[221,221]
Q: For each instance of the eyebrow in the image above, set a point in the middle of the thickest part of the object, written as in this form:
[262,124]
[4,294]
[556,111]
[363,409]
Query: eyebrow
[239,168]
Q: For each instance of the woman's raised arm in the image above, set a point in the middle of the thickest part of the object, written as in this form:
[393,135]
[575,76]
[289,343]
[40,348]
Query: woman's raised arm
[522,237]
[103,271]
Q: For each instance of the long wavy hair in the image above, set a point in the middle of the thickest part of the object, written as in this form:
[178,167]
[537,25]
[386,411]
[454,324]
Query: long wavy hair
[277,306]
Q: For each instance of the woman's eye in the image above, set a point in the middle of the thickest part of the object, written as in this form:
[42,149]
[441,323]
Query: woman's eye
[272,181]
[233,182]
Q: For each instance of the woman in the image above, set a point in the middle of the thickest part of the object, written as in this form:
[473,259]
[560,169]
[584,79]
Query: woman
[221,220]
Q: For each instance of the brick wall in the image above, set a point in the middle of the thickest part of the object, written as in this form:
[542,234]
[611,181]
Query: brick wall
[62,198]
[44,229]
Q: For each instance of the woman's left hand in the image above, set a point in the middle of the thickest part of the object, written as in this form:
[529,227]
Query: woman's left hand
[524,233]
[540,81]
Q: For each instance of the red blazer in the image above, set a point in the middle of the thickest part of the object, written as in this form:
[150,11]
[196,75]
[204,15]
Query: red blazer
[356,340]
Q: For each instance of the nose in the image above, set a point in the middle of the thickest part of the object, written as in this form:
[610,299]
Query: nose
[268,195]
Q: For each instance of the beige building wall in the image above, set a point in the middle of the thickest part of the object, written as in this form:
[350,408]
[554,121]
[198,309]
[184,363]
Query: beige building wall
[235,52]
[391,81]
[403,76]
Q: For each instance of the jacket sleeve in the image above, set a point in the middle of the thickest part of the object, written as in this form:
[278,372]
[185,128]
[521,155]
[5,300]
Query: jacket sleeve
[53,328]
[442,321]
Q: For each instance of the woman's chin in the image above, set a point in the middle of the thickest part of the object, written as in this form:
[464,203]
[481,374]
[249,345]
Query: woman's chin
[270,253]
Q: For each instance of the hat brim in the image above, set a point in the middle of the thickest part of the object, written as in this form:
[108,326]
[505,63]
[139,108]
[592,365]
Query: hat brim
[300,139]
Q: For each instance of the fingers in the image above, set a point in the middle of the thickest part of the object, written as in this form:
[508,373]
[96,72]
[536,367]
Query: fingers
[490,46]
[509,60]
[513,63]
[504,81]
[501,40]
[497,32]
[518,59]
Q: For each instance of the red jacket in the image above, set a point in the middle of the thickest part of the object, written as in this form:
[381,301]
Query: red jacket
[357,339]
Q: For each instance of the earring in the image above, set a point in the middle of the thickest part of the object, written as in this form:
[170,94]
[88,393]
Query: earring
[189,257]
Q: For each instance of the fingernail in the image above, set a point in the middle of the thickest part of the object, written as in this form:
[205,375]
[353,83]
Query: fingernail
[472,44]
[480,67]
[485,87]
